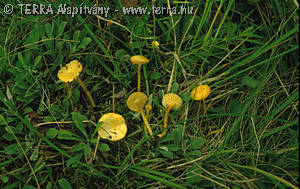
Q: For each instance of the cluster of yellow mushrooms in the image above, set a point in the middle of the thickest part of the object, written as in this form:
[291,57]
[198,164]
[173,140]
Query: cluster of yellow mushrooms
[113,125]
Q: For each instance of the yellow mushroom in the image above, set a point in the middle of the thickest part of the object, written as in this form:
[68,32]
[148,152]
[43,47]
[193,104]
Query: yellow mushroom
[139,60]
[169,101]
[113,128]
[200,92]
[155,44]
[136,102]
[70,72]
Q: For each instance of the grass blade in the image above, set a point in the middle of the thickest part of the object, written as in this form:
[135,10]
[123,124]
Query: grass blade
[159,179]
[269,175]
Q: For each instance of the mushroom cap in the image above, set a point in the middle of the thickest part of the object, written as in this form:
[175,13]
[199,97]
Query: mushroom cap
[139,59]
[171,99]
[136,101]
[200,92]
[70,71]
[113,127]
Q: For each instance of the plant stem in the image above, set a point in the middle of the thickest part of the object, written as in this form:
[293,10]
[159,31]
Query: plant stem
[98,139]
[165,122]
[88,94]
[139,78]
[200,123]
[70,96]
[98,20]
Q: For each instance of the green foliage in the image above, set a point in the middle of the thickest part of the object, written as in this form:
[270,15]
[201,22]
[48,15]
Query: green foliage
[64,183]
[51,133]
[78,118]
[250,82]
[175,88]
[193,175]
[234,106]
[155,76]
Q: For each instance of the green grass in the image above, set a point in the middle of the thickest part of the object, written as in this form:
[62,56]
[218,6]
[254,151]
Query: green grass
[244,135]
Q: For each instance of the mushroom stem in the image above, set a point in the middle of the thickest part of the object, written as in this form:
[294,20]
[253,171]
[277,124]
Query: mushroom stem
[165,121]
[98,139]
[139,78]
[148,107]
[146,122]
[70,96]
[147,113]
[88,94]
